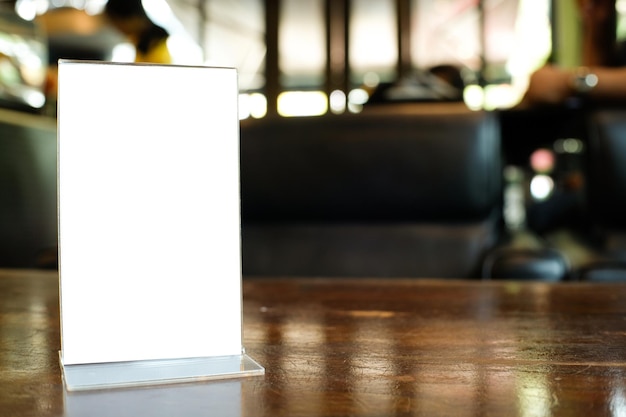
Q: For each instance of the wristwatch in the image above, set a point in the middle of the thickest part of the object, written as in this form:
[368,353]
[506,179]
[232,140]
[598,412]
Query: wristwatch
[583,80]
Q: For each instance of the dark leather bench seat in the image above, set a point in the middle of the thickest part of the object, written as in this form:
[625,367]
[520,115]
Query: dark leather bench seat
[28,169]
[412,191]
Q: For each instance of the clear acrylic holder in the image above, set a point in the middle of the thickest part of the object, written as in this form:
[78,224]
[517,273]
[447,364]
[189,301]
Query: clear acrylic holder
[156,372]
[149,225]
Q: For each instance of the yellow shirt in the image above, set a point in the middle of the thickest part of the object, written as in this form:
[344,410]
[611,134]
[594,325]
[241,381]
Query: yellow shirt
[158,54]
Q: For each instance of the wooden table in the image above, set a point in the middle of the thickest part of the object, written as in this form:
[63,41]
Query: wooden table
[361,348]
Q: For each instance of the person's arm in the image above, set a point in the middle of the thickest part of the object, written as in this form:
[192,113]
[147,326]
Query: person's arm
[553,85]
[611,84]
[599,79]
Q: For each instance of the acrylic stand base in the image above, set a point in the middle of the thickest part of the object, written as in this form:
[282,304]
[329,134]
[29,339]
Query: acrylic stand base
[83,377]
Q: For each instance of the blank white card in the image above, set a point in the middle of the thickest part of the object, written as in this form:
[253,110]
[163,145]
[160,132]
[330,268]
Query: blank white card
[149,226]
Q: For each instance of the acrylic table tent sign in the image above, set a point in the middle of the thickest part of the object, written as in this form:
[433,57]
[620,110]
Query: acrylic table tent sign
[149,225]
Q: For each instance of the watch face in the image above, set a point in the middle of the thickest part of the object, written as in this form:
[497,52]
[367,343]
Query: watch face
[585,81]
[591,80]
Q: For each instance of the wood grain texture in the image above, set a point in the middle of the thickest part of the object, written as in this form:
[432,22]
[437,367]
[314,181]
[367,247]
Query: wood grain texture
[359,347]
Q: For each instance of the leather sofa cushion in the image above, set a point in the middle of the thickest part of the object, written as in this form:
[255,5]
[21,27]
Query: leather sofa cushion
[375,167]
[366,250]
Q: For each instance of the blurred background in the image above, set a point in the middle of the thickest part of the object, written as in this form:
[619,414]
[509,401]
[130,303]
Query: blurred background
[301,58]
[306,57]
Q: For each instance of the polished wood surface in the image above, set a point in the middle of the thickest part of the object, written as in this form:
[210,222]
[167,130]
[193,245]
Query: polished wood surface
[358,347]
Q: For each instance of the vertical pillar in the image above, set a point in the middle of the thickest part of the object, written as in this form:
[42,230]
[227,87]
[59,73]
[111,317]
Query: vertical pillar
[272,71]
[337,27]
[403,15]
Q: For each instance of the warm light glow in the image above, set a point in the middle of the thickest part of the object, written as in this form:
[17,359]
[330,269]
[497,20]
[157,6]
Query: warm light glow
[541,187]
[618,398]
[371,79]
[542,161]
[338,101]
[302,103]
[474,97]
[258,105]
[356,99]
[514,209]
[534,395]
[29,9]
[569,145]
[95,7]
[25,10]
[500,96]
[252,105]
[123,52]
[34,69]
[358,96]
[34,98]
[372,37]
[302,43]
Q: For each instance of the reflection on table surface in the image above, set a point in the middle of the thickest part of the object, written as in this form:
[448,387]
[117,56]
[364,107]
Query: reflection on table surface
[358,347]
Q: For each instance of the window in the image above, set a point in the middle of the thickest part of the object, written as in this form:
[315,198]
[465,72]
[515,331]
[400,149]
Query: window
[373,45]
[500,42]
[301,44]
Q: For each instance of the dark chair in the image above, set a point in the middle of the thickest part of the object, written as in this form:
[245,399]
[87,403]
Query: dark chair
[523,255]
[604,256]
[411,191]
[28,190]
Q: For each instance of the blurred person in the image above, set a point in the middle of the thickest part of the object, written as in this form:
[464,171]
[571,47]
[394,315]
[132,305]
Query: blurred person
[73,33]
[602,76]
[149,39]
